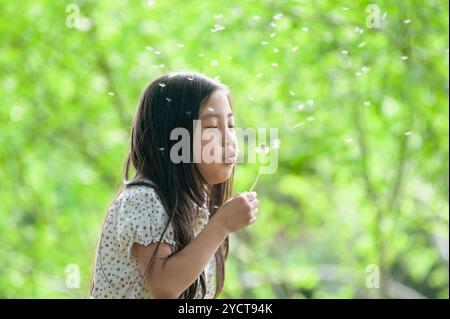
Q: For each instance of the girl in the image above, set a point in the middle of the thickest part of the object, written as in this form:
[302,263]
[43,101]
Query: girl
[166,232]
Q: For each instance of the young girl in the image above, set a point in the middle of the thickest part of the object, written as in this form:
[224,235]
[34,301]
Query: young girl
[166,232]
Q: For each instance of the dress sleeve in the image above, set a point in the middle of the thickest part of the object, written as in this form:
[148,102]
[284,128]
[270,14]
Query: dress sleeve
[142,219]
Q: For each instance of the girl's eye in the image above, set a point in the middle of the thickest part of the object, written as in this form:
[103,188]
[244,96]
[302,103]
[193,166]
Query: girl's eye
[231,126]
[211,126]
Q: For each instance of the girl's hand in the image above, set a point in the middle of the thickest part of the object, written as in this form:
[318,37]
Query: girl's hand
[238,212]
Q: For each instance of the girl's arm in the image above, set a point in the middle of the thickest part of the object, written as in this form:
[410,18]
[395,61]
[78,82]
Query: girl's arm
[183,268]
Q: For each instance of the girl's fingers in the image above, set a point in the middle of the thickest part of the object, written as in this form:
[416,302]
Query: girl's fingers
[255,203]
[251,196]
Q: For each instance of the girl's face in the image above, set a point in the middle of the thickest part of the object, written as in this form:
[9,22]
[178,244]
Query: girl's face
[215,139]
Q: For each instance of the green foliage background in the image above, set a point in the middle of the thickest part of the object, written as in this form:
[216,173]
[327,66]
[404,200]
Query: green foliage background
[363,172]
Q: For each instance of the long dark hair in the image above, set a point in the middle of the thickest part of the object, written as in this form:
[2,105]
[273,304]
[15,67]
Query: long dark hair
[173,101]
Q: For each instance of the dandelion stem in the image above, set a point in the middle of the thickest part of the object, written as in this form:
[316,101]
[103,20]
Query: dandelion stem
[256,181]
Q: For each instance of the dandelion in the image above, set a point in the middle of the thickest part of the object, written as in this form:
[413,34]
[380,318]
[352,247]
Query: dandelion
[111,93]
[294,49]
[407,21]
[305,29]
[344,8]
[404,57]
[344,52]
[362,44]
[273,34]
[275,50]
[274,64]
[292,93]
[310,103]
[264,150]
[158,52]
[409,133]
[366,103]
[264,43]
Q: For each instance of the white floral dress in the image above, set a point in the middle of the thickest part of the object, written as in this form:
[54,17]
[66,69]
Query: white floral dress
[136,216]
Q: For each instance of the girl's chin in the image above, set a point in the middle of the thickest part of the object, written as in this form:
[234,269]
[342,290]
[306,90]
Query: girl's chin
[223,173]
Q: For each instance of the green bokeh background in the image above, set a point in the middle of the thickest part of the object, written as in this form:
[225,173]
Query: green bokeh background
[362,175]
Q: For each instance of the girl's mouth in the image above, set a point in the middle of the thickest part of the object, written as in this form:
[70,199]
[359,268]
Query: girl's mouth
[230,160]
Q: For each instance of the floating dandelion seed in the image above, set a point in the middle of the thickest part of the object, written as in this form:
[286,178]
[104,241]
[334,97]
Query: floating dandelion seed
[305,29]
[161,65]
[259,75]
[344,52]
[251,98]
[218,16]
[110,93]
[310,103]
[162,84]
[274,64]
[363,71]
[149,48]
[201,55]
[217,28]
[273,34]
[349,140]
[300,107]
[263,150]
[294,49]
[158,52]
[292,93]
[278,16]
[256,17]
[273,24]
[409,133]
[188,113]
[229,58]
[264,43]
[366,103]
[344,8]
[407,21]
[310,118]
[180,45]
[359,30]
[404,57]
[210,109]
[190,79]
[275,50]
[362,44]
[214,63]
[384,15]
[297,125]
[168,100]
